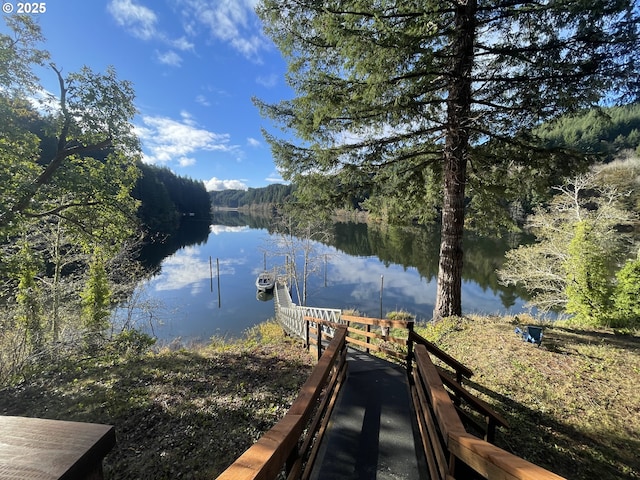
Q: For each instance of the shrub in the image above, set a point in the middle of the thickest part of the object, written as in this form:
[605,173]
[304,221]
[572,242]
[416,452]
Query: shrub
[131,342]
[627,295]
[589,286]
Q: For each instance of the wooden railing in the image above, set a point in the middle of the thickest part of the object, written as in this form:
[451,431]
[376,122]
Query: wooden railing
[452,376]
[290,447]
[360,334]
[393,333]
[450,451]
[459,369]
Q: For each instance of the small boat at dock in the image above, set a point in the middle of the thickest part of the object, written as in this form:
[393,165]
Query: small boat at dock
[266,281]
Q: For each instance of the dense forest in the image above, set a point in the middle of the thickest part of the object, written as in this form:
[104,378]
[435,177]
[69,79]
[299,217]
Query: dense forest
[272,194]
[166,199]
[606,131]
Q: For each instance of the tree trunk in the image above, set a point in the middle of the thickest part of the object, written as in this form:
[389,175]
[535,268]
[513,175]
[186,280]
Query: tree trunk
[456,151]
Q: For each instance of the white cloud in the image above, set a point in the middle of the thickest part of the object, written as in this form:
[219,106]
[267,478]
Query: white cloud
[170,58]
[219,229]
[182,44]
[165,140]
[215,184]
[268,81]
[184,269]
[275,177]
[253,142]
[188,268]
[230,21]
[202,100]
[187,118]
[187,162]
[140,21]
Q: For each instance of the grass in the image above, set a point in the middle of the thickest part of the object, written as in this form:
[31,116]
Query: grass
[572,403]
[178,414]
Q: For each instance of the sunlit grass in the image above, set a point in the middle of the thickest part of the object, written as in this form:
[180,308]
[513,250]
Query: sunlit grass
[572,403]
[179,412]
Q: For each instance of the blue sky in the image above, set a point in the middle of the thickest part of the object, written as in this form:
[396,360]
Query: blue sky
[194,64]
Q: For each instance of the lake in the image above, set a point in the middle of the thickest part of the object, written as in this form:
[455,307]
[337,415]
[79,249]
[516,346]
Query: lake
[203,283]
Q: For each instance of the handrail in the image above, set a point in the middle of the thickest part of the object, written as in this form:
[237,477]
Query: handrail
[322,327]
[492,418]
[460,369]
[290,443]
[448,448]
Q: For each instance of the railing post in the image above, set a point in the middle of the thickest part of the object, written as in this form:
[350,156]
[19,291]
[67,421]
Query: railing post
[307,342]
[319,328]
[291,461]
[368,339]
[409,350]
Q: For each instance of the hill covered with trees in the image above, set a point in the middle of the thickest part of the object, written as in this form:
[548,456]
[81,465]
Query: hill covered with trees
[272,194]
[167,198]
[602,131]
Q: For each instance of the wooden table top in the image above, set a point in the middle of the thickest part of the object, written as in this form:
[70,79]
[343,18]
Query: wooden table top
[39,449]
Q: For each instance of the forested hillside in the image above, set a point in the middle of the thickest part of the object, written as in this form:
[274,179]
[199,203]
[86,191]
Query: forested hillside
[167,198]
[272,194]
[607,131]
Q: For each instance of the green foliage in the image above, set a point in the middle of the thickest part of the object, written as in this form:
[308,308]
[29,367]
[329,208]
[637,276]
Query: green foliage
[19,53]
[275,194]
[627,295]
[28,298]
[580,241]
[167,198]
[437,332]
[130,342]
[400,315]
[624,175]
[413,101]
[589,279]
[96,297]
[265,333]
[67,169]
[605,131]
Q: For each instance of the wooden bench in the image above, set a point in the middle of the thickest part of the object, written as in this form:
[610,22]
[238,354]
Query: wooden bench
[39,449]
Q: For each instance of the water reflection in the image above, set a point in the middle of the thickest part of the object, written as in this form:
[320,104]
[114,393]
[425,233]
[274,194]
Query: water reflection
[351,269]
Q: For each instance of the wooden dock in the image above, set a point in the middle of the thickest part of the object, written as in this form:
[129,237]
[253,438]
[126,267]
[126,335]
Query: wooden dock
[371,432]
[360,417]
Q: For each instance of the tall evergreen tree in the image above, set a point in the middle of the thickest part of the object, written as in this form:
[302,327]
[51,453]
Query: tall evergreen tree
[427,101]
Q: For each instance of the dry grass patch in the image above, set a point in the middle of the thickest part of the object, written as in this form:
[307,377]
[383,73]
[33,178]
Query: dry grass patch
[178,414]
[572,403]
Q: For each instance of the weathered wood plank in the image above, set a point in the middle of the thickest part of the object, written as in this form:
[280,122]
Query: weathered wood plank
[36,448]
[493,462]
[461,369]
[445,413]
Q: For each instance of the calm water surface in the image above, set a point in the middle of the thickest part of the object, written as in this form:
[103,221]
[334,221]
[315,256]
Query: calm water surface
[182,300]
